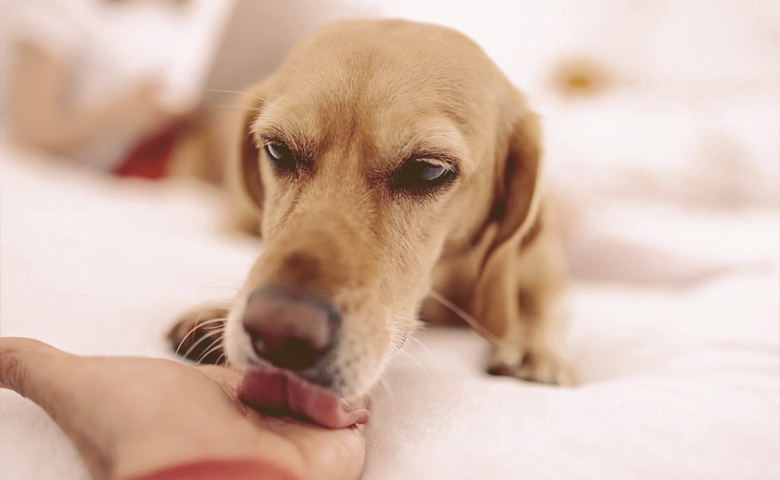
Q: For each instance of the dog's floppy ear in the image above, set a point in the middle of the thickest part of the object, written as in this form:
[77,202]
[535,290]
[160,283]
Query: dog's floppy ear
[514,215]
[244,181]
[249,151]
[517,177]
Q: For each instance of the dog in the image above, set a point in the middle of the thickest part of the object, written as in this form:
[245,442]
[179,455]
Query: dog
[395,173]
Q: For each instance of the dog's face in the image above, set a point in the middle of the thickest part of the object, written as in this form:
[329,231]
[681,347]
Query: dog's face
[377,148]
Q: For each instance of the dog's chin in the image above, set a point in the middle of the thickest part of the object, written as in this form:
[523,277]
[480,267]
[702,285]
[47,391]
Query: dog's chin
[275,391]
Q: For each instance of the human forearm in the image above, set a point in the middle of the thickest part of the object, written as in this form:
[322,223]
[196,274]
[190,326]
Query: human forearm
[42,115]
[140,418]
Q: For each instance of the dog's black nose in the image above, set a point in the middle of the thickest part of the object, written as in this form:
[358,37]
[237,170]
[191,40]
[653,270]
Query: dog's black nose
[290,330]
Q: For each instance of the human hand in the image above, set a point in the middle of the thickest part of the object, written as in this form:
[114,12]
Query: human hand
[131,416]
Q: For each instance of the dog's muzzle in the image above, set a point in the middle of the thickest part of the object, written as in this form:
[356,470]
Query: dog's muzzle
[292,330]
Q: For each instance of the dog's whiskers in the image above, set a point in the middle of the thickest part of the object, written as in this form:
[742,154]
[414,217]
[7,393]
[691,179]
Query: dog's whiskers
[226,107]
[416,362]
[215,345]
[217,332]
[486,334]
[235,92]
[418,342]
[191,331]
[221,359]
[385,385]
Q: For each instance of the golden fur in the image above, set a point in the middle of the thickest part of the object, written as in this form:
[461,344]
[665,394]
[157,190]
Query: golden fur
[357,99]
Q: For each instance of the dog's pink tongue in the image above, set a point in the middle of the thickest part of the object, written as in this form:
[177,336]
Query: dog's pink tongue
[283,393]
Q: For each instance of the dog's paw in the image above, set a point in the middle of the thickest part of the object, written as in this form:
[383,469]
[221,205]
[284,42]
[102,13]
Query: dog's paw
[197,335]
[531,367]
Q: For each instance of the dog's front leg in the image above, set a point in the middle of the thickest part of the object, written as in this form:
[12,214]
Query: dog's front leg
[197,335]
[520,300]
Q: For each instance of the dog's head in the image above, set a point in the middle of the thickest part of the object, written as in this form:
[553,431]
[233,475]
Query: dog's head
[377,147]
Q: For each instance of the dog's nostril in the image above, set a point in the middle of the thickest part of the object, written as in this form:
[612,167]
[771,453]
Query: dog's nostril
[290,353]
[292,331]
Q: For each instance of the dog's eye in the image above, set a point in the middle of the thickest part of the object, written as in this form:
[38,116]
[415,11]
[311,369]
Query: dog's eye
[280,156]
[421,175]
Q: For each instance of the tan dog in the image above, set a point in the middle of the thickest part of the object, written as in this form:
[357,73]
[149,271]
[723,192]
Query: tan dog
[388,160]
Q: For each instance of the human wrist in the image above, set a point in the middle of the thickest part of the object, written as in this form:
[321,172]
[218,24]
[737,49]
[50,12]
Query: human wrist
[235,469]
[142,457]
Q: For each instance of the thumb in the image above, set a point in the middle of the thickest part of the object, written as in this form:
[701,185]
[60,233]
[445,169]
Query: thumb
[28,367]
[44,375]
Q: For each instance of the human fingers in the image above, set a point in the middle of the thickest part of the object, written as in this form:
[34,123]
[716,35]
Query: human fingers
[41,373]
[26,366]
[321,452]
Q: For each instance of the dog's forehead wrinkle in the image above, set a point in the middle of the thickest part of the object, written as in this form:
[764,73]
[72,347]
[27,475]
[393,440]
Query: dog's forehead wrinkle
[372,114]
[296,127]
[380,71]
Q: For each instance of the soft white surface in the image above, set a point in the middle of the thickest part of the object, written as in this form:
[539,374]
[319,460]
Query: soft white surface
[676,382]
[652,42]
[679,360]
[111,47]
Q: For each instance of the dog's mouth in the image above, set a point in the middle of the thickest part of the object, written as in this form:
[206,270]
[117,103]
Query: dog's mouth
[281,392]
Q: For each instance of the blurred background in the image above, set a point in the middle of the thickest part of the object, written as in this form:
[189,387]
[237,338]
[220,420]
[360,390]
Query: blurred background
[661,123]
[674,100]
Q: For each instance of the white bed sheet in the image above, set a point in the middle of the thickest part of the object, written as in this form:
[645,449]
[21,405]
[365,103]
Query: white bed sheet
[675,382]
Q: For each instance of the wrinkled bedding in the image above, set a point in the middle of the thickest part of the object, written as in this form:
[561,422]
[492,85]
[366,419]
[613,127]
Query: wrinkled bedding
[678,367]
[673,179]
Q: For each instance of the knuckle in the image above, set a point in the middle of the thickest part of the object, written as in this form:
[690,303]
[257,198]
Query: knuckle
[13,371]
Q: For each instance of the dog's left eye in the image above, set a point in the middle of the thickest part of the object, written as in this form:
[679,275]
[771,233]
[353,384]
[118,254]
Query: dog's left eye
[421,175]
[280,156]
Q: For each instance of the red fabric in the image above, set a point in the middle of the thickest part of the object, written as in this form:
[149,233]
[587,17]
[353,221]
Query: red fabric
[151,157]
[220,470]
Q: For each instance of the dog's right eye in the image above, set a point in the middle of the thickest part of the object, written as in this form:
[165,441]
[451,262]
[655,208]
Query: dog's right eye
[280,156]
[421,176]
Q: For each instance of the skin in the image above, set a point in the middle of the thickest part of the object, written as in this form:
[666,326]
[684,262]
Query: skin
[41,117]
[355,102]
[131,416]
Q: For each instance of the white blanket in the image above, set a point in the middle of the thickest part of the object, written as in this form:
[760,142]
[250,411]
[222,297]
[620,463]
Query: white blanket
[678,379]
